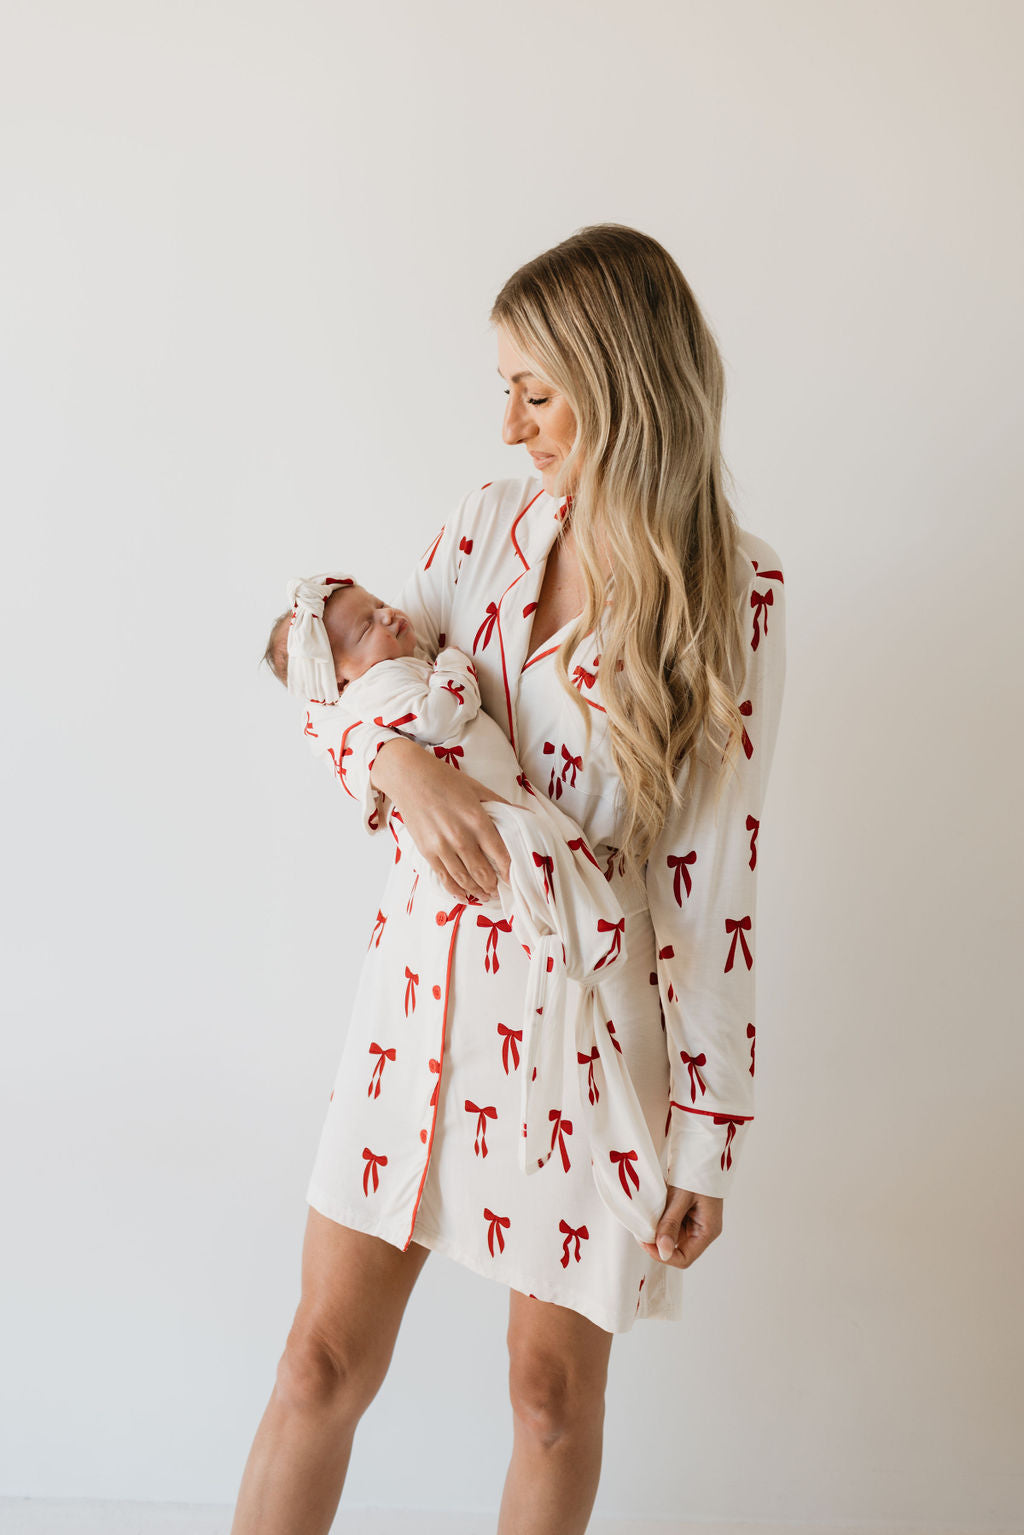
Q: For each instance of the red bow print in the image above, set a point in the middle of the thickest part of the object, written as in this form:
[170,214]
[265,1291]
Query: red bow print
[546,862]
[524,783]
[581,678]
[412,892]
[465,546]
[449,754]
[560,1129]
[693,1063]
[412,981]
[496,1224]
[681,872]
[487,627]
[610,868]
[578,845]
[611,1035]
[738,927]
[435,1067]
[760,602]
[511,1039]
[491,946]
[588,1062]
[571,765]
[309,731]
[395,724]
[456,689]
[372,1163]
[572,1234]
[747,709]
[378,930]
[616,928]
[339,761]
[377,1075]
[727,1119]
[482,1116]
[753,827]
[625,1160]
[752,1036]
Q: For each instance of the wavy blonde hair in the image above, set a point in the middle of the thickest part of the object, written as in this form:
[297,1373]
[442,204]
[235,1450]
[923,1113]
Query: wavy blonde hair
[607,318]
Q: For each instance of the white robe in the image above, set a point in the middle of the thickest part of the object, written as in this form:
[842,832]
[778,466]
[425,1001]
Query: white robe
[422,1137]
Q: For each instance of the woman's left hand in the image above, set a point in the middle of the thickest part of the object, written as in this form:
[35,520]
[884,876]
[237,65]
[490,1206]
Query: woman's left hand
[690,1223]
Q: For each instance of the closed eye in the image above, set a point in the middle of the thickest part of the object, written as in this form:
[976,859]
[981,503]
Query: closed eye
[544,401]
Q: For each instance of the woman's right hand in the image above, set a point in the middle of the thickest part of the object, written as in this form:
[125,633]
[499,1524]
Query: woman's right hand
[443,813]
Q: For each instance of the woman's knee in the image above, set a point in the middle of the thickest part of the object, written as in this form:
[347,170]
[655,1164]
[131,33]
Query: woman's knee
[551,1399]
[318,1372]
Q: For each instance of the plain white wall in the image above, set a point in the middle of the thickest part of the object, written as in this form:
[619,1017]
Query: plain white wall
[248,254]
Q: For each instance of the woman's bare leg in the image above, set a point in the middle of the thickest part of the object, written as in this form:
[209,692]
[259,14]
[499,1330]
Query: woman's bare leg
[558,1369]
[354,1292]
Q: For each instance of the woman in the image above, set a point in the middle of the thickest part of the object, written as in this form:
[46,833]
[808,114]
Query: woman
[630,638]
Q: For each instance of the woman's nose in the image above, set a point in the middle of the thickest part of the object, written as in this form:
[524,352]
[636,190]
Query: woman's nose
[516,425]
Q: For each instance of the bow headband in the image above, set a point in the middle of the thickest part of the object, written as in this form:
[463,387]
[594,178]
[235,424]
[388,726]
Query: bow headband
[311,669]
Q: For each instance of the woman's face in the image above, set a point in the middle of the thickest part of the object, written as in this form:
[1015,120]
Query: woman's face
[536,415]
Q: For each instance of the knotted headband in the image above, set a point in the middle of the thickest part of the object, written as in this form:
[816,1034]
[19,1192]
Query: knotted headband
[311,670]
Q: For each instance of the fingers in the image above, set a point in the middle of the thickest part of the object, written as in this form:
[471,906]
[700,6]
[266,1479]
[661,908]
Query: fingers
[690,1224]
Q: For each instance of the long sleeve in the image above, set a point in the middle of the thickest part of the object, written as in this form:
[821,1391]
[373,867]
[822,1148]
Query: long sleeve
[702,891]
[350,747]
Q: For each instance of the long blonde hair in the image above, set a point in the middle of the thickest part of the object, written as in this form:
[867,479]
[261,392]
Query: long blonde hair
[609,320]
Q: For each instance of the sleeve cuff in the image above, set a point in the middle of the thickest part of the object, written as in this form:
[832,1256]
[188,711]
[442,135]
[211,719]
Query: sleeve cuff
[702,1158]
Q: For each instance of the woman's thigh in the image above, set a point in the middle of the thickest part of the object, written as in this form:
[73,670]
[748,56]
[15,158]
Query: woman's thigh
[354,1292]
[558,1360]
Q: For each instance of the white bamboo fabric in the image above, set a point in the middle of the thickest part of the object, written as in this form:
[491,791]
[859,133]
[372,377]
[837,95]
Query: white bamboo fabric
[421,1141]
[561,908]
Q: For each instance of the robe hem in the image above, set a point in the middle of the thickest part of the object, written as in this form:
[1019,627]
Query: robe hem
[357,1220]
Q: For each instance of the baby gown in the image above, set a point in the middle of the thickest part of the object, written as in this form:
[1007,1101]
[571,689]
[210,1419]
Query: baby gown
[420,1138]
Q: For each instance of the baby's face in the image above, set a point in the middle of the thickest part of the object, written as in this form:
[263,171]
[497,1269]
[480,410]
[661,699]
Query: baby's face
[362,631]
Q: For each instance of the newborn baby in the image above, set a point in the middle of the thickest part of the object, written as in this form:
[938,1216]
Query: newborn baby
[342,648]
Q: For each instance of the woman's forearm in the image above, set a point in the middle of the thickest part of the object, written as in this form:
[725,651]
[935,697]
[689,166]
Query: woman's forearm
[390,766]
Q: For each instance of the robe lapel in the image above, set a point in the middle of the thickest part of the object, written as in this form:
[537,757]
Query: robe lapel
[532,538]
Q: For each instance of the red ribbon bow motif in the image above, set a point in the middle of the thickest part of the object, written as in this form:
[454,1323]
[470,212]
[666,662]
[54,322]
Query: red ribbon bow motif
[747,709]
[615,928]
[582,678]
[309,731]
[571,765]
[525,784]
[625,1160]
[378,931]
[411,982]
[377,1075]
[681,873]
[487,627]
[752,1036]
[732,1122]
[547,863]
[760,602]
[412,892]
[738,927]
[572,1234]
[339,761]
[588,1062]
[450,754]
[610,1026]
[482,1116]
[491,946]
[497,1222]
[753,826]
[456,689]
[560,1129]
[610,867]
[579,845]
[693,1063]
[372,1163]
[511,1040]
[435,1067]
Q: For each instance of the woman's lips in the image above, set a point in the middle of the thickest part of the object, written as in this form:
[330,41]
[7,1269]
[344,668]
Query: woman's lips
[540,459]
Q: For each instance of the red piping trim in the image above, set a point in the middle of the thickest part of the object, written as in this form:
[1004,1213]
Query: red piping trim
[444,1030]
[687,1109]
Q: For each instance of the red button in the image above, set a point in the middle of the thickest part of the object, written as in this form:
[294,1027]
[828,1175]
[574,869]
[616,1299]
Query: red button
[437,993]
[423,1136]
[441,918]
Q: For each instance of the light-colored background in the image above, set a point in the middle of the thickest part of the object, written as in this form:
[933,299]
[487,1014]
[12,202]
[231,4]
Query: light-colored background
[248,254]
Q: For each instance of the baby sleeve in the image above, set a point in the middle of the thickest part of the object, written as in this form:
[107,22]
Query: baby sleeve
[349,747]
[702,891]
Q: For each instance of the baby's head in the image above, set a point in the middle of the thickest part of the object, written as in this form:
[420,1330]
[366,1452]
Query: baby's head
[360,630]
